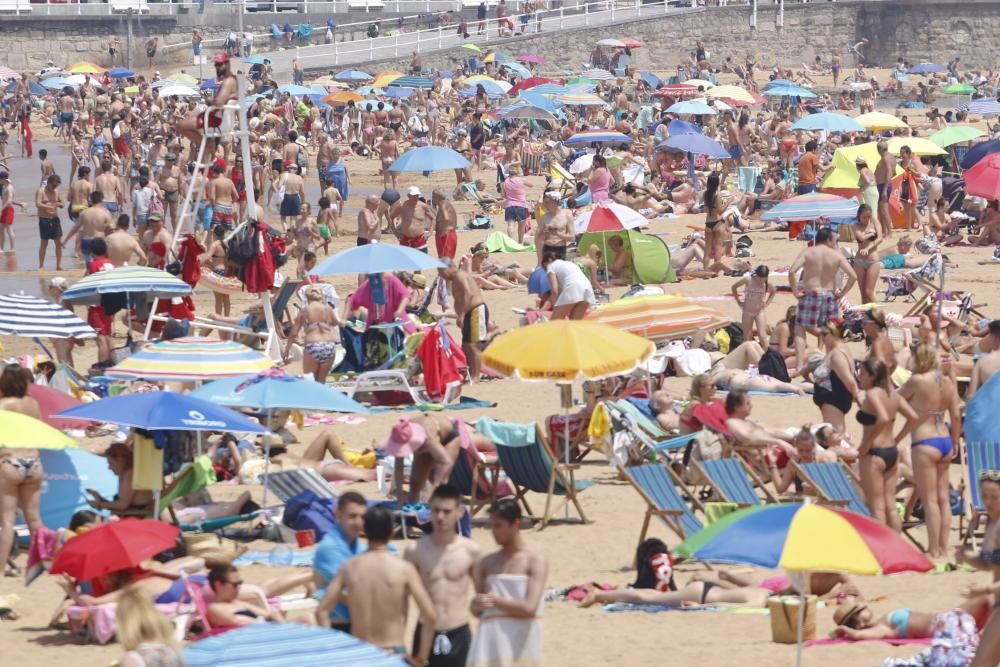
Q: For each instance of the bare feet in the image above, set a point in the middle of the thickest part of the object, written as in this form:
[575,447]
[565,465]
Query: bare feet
[589,601]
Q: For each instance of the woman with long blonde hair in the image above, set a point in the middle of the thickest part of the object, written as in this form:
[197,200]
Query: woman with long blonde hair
[144,633]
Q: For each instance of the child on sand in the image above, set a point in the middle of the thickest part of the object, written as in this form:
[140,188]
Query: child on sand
[758,294]
[306,233]
[326,219]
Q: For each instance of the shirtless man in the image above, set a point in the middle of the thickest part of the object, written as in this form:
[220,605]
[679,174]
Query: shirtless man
[67,112]
[819,301]
[295,195]
[445,226]
[156,241]
[222,195]
[377,586]
[396,120]
[987,365]
[226,609]
[369,228]
[170,179]
[95,222]
[79,196]
[109,185]
[555,227]
[415,221]
[191,126]
[470,311]
[46,166]
[884,173]
[48,201]
[388,152]
[513,559]
[122,246]
[736,151]
[446,562]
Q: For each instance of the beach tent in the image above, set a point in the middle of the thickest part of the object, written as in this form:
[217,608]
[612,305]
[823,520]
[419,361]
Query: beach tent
[650,255]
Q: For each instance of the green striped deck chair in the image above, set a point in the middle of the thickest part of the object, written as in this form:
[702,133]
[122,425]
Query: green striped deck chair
[834,484]
[658,487]
[649,426]
[733,482]
[530,467]
[476,478]
[980,456]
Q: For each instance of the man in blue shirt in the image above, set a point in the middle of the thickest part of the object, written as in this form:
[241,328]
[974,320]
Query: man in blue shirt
[481,17]
[339,545]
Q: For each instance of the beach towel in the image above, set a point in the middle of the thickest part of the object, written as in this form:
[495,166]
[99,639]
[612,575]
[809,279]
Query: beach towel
[41,551]
[500,242]
[652,608]
[894,641]
[337,172]
[954,643]
[506,433]
[502,640]
[464,403]
[300,558]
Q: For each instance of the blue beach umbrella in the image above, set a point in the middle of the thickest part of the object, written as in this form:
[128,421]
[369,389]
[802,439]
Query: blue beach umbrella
[297,90]
[34,88]
[352,76]
[548,89]
[164,411]
[692,107]
[56,83]
[429,158]
[376,258]
[209,84]
[982,107]
[492,89]
[927,68]
[68,473]
[268,392]
[978,152]
[788,91]
[651,79]
[587,137]
[413,82]
[831,122]
[698,144]
[120,73]
[538,100]
[396,92]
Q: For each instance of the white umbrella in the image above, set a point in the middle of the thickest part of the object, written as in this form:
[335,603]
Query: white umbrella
[582,163]
[611,41]
[31,317]
[177,90]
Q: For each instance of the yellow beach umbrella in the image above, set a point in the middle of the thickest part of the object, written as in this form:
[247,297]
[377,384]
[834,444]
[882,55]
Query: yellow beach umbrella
[918,145]
[182,77]
[880,121]
[480,77]
[659,318]
[18,431]
[343,97]
[844,175]
[566,350]
[732,93]
[699,82]
[383,80]
[85,68]
[472,47]
[132,90]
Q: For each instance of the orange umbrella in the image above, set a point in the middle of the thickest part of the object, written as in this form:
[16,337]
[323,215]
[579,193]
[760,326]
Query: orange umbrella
[659,318]
[342,97]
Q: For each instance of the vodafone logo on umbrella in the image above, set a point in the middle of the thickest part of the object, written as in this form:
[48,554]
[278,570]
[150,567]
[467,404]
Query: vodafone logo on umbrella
[196,418]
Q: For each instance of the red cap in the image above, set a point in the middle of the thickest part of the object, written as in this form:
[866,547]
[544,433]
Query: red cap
[221,58]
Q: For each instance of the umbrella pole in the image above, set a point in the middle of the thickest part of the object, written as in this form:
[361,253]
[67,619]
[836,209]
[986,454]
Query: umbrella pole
[156,503]
[267,457]
[940,297]
[798,631]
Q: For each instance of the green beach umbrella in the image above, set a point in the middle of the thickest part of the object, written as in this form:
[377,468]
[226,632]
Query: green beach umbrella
[958,89]
[955,134]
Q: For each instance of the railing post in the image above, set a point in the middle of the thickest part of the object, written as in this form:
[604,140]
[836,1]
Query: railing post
[586,14]
[613,3]
[440,36]
[562,17]
[395,53]
[418,41]
[638,7]
[666,6]
[371,48]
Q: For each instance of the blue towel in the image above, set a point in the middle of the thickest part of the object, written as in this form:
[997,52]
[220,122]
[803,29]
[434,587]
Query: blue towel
[643,405]
[464,403]
[506,433]
[300,557]
[652,608]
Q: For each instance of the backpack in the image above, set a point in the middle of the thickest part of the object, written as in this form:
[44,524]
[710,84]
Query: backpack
[242,247]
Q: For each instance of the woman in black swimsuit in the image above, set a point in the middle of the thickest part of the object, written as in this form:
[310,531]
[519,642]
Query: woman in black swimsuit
[835,387]
[879,455]
[715,231]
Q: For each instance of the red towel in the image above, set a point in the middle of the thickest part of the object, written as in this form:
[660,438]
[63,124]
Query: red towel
[26,128]
[442,360]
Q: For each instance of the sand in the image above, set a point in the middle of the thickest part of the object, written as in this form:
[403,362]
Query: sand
[601,551]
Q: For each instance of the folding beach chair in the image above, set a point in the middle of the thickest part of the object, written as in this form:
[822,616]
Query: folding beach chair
[563,180]
[980,456]
[476,477]
[287,484]
[633,436]
[732,481]
[835,485]
[530,466]
[747,179]
[657,486]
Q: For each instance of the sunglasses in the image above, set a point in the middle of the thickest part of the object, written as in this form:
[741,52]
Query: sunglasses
[235,583]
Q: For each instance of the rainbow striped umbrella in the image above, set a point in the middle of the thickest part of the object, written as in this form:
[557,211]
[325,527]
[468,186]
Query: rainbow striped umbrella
[659,318]
[602,136]
[580,99]
[126,279]
[814,206]
[184,359]
[597,75]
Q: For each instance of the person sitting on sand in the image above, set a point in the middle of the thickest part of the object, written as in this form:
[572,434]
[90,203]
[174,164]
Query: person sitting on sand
[620,269]
[490,275]
[127,501]
[337,470]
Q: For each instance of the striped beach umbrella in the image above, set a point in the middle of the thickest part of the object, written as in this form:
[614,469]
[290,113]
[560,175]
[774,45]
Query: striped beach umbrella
[597,75]
[677,91]
[126,279]
[659,318]
[193,358]
[286,645]
[832,122]
[580,99]
[609,217]
[983,107]
[602,136]
[32,317]
[732,93]
[413,82]
[814,206]
[8,73]
[691,107]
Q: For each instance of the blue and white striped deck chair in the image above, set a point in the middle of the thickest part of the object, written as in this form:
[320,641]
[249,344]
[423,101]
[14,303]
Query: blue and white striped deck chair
[290,483]
[733,482]
[834,484]
[658,487]
[530,466]
[980,456]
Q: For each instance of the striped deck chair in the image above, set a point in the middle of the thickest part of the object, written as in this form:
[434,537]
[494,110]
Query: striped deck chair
[980,456]
[287,484]
[834,484]
[732,481]
[476,477]
[657,486]
[530,466]
[747,179]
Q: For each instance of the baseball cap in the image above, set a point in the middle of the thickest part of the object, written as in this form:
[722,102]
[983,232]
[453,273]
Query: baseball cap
[413,191]
[221,58]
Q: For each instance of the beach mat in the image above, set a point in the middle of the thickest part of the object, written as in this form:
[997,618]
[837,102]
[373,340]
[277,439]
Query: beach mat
[652,608]
[464,403]
[299,557]
[894,641]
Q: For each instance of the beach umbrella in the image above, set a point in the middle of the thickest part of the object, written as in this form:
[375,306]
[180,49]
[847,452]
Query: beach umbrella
[206,84]
[580,99]
[342,97]
[958,89]
[984,107]
[597,75]
[531,58]
[927,68]
[32,317]
[193,358]
[256,59]
[955,134]
[702,83]
[327,82]
[979,422]
[612,42]
[352,76]
[120,73]
[497,57]
[429,158]
[517,69]
[178,90]
[295,89]
[383,80]
[492,88]
[650,79]
[524,111]
[8,73]
[659,318]
[164,411]
[55,83]
[472,47]
[19,431]
[586,161]
[67,474]
[112,547]
[51,402]
[286,645]
[978,152]
[804,538]
[125,279]
[831,122]
[983,179]
[546,89]
[587,137]
[376,258]
[565,351]
[581,80]
[734,93]
[877,120]
[413,82]
[918,145]
[695,143]
[34,88]
[814,206]
[529,83]
[77,80]
[538,100]
[85,68]
[631,43]
[691,107]
[609,216]
[788,91]
[397,93]
[476,78]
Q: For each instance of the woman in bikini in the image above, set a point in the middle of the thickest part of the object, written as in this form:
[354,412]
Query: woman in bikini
[988,654]
[20,469]
[866,260]
[880,347]
[933,397]
[879,454]
[758,294]
[337,470]
[715,232]
[320,323]
[835,386]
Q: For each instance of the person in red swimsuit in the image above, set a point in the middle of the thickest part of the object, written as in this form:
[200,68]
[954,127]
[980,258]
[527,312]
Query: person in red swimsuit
[191,126]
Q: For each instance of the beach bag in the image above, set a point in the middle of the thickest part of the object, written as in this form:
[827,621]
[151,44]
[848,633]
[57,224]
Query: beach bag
[307,511]
[479,221]
[242,247]
[785,618]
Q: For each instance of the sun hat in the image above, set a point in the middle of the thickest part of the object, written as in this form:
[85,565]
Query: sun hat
[405,438]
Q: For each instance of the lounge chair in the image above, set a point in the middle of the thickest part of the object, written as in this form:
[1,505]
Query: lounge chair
[476,477]
[658,487]
[287,484]
[562,179]
[980,456]
[733,481]
[397,380]
[531,466]
[472,192]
